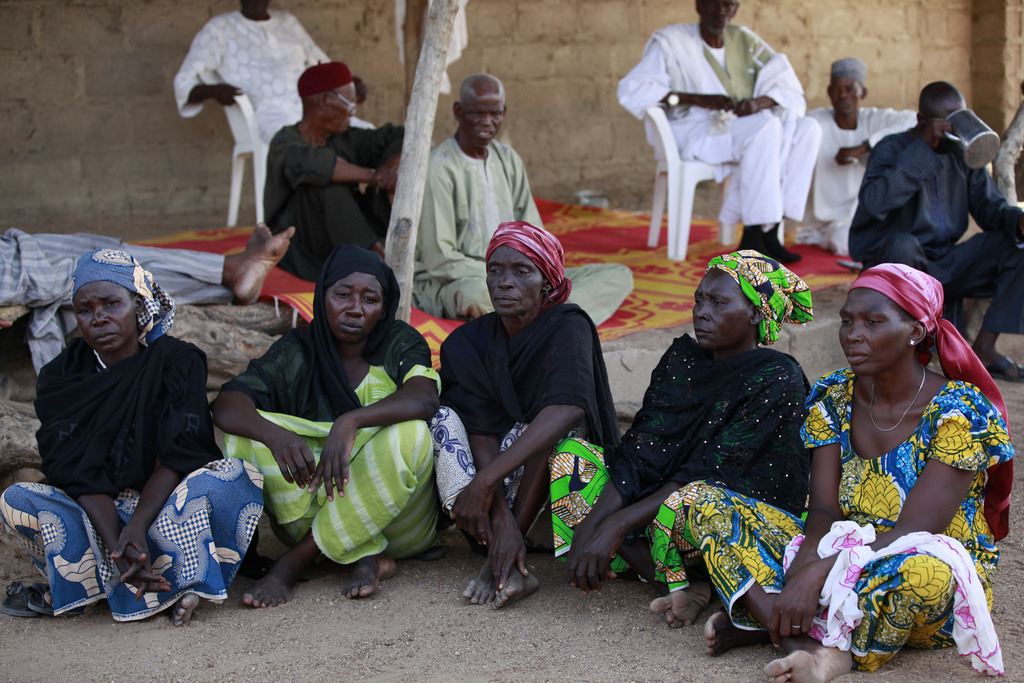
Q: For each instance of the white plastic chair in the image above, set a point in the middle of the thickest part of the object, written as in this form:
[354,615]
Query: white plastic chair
[678,179]
[248,143]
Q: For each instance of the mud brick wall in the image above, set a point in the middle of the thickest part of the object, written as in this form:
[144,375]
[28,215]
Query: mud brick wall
[90,137]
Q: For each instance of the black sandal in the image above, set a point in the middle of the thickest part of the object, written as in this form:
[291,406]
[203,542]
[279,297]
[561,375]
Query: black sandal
[998,370]
[16,602]
[37,600]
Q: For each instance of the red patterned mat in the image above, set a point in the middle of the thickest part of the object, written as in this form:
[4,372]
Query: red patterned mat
[663,289]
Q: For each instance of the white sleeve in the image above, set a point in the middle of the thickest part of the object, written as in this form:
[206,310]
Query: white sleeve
[884,122]
[647,83]
[199,67]
[314,55]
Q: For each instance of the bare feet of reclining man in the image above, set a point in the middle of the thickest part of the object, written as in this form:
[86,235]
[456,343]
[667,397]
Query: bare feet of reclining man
[245,273]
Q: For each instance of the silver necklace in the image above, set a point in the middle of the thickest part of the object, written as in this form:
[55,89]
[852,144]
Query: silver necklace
[871,408]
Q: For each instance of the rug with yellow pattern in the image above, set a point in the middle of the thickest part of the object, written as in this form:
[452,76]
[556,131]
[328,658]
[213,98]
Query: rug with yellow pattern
[663,289]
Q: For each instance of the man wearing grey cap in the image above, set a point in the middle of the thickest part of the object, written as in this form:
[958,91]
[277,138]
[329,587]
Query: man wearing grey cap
[848,132]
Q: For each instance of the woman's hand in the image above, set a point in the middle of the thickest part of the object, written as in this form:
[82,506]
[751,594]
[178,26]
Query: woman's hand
[507,550]
[589,567]
[472,508]
[133,562]
[293,456]
[333,469]
[794,610]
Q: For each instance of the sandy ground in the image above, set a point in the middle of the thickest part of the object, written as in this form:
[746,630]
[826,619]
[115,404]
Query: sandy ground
[418,627]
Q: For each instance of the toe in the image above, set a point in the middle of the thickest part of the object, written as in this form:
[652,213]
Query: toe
[659,605]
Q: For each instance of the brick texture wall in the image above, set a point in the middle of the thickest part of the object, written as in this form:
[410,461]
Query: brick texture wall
[91,138]
[997,60]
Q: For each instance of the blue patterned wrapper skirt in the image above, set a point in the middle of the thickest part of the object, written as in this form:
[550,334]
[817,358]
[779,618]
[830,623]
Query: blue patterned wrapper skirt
[196,542]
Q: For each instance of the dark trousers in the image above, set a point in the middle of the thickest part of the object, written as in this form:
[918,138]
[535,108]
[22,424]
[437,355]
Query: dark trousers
[331,215]
[989,262]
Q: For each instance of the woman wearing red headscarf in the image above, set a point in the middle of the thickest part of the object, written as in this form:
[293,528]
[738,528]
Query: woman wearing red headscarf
[898,548]
[535,361]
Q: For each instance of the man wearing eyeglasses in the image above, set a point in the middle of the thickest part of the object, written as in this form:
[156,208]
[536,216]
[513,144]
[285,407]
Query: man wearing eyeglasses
[315,169]
[475,182]
[735,103]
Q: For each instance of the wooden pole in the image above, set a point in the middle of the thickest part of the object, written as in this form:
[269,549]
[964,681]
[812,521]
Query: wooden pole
[413,35]
[419,126]
[1009,151]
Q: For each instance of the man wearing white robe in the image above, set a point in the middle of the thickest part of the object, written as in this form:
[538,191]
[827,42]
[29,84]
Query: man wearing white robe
[475,182]
[848,132]
[735,103]
[253,51]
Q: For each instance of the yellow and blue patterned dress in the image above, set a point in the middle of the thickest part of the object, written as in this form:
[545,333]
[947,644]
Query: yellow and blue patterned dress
[906,598]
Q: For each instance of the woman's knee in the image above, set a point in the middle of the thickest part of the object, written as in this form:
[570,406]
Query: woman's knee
[707,501]
[413,436]
[22,496]
[928,578]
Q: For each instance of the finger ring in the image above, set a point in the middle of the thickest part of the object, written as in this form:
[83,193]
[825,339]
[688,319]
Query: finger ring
[796,627]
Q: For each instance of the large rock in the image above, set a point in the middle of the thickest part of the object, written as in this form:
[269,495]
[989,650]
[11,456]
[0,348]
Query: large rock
[231,335]
[17,439]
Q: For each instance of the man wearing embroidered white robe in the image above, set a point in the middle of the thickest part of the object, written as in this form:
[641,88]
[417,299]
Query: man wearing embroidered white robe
[848,132]
[735,103]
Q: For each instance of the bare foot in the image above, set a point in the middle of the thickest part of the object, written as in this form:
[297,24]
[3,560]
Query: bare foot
[721,635]
[516,588]
[244,273]
[480,590]
[367,574]
[277,587]
[681,608]
[182,611]
[808,662]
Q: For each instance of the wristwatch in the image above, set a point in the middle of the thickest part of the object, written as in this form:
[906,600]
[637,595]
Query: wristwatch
[672,100]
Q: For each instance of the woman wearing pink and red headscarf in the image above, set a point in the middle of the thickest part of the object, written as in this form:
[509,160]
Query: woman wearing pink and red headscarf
[910,486]
[535,361]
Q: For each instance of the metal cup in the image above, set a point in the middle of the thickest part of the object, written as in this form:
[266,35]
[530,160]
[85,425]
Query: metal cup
[979,143]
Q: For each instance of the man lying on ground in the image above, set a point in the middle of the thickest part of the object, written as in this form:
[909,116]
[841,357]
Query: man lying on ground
[35,271]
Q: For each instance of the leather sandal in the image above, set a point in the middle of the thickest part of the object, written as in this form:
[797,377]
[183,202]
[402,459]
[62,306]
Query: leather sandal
[999,368]
[16,602]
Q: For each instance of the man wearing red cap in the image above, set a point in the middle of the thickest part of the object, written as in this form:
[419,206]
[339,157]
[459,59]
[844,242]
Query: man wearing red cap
[315,169]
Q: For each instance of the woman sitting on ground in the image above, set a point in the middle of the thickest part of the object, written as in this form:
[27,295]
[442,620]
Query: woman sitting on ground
[334,416]
[896,538]
[534,362]
[126,439]
[720,411]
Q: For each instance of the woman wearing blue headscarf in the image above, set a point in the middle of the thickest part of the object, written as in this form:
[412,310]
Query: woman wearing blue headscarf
[140,509]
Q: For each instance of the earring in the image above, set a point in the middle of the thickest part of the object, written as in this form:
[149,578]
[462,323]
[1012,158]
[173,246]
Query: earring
[911,343]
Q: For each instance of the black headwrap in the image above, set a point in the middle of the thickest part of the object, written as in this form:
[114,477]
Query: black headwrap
[493,382]
[323,391]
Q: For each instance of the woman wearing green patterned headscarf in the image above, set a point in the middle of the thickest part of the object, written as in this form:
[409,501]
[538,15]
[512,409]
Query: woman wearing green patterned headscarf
[721,410]
[777,291]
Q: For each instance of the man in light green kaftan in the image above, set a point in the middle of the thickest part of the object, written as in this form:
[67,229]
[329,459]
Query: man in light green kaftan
[474,183]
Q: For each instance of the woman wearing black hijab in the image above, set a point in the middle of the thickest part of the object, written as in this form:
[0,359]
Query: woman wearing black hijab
[334,418]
